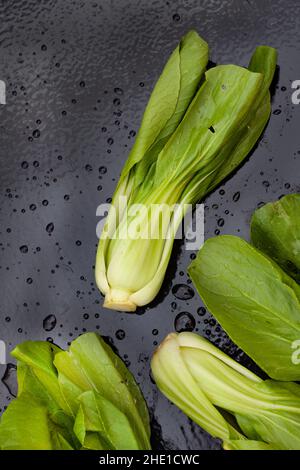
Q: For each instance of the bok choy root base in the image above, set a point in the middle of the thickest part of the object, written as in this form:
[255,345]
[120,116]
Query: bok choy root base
[197,128]
[225,398]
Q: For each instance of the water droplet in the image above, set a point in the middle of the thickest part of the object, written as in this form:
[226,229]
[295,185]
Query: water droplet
[49,322]
[66,197]
[45,202]
[32,207]
[50,227]
[24,249]
[155,332]
[102,170]
[221,222]
[120,334]
[110,141]
[277,112]
[201,311]
[88,168]
[236,196]
[117,102]
[82,84]
[183,292]
[29,280]
[36,133]
[43,47]
[118,91]
[78,242]
[9,379]
[184,321]
[24,165]
[176,17]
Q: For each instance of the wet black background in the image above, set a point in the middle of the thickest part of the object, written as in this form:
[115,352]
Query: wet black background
[78,76]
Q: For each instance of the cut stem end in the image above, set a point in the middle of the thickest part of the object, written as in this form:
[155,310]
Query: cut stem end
[116,299]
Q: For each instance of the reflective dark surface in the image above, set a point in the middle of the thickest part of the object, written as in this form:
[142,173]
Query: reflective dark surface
[78,76]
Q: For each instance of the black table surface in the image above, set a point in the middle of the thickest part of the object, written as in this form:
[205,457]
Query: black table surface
[78,76]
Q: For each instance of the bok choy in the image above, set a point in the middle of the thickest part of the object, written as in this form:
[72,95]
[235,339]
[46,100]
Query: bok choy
[225,398]
[185,147]
[83,398]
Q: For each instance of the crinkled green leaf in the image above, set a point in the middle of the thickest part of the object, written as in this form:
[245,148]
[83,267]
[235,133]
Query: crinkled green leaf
[60,388]
[263,61]
[37,375]
[168,102]
[105,374]
[99,415]
[27,425]
[221,106]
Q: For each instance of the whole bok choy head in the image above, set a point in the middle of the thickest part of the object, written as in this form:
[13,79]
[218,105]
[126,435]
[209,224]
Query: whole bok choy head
[225,398]
[185,146]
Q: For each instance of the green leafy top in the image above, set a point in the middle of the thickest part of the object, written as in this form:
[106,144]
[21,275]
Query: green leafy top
[168,102]
[81,398]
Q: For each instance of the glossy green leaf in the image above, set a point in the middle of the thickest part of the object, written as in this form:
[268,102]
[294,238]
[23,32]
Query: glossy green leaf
[253,299]
[97,414]
[105,374]
[27,425]
[84,398]
[168,102]
[275,230]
